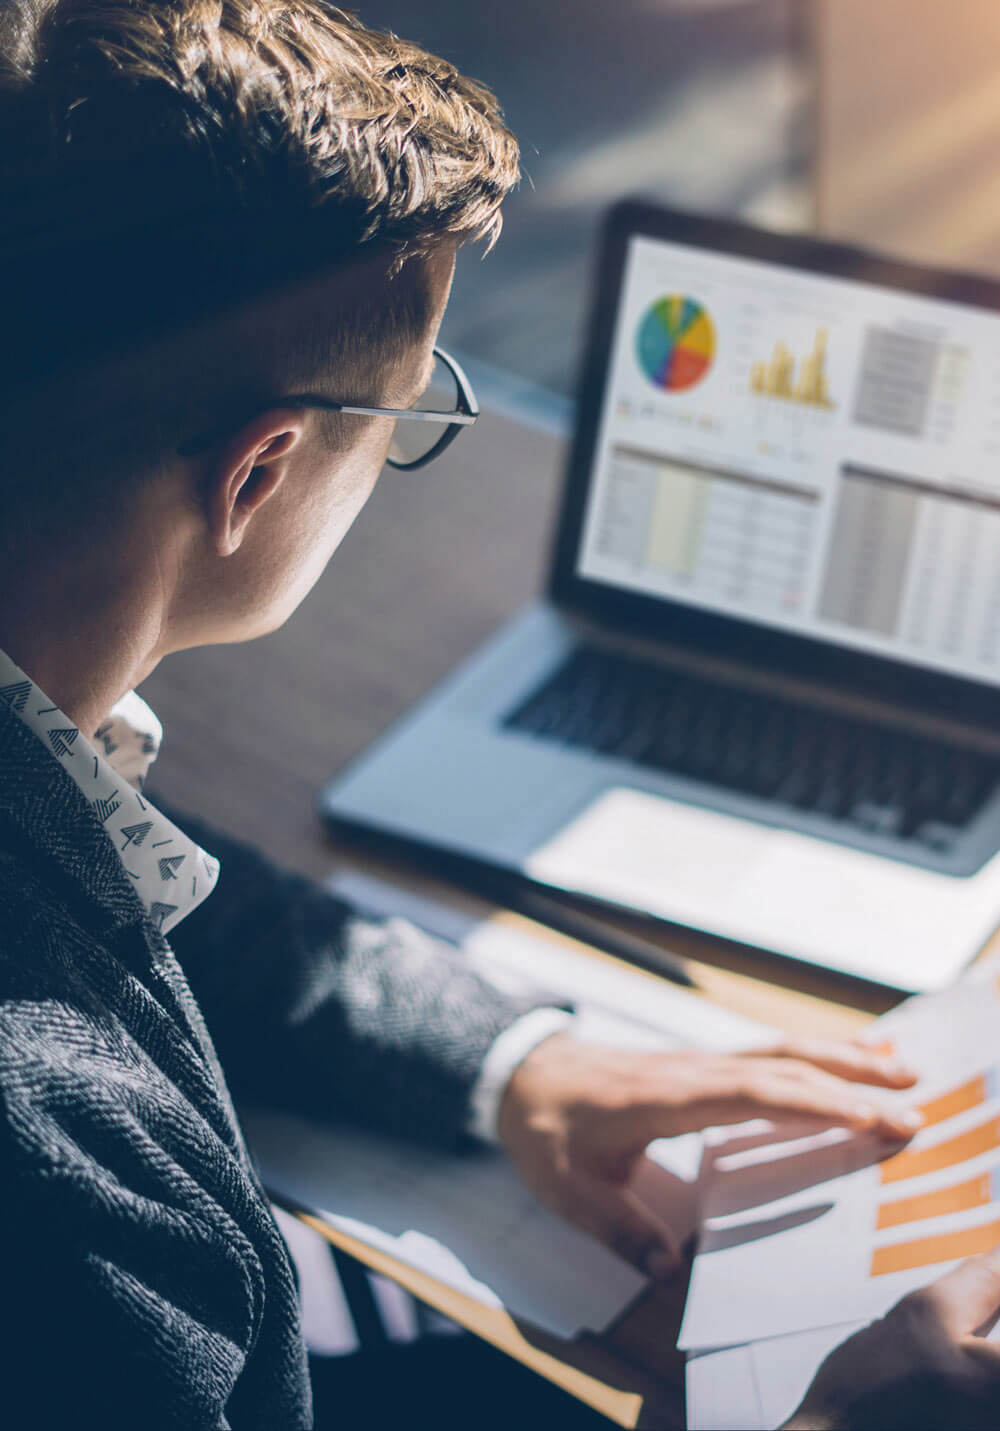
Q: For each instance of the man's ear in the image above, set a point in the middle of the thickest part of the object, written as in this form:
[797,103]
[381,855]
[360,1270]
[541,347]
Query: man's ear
[245,471]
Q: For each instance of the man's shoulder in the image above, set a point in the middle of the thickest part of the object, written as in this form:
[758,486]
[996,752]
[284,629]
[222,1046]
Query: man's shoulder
[89,1053]
[45,950]
[29,896]
[103,1089]
[65,1040]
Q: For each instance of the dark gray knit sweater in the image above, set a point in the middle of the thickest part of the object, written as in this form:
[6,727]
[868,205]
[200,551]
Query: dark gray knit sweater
[144,1282]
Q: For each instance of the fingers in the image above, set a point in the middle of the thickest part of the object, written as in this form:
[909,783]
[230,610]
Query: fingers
[780,1087]
[964,1300]
[616,1217]
[854,1061]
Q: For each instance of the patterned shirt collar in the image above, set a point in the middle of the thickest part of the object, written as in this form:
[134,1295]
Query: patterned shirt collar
[171,874]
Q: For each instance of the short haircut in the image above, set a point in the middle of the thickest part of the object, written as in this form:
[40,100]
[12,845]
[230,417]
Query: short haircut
[163,162]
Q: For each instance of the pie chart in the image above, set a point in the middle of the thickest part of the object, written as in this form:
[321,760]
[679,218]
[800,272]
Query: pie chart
[675,343]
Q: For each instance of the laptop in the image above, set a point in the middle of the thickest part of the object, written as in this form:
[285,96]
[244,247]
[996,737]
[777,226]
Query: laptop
[761,697]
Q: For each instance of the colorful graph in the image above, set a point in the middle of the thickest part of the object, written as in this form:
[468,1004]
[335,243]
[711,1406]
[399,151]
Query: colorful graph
[675,343]
[960,1197]
[944,1247]
[804,382]
[984,1138]
[959,1100]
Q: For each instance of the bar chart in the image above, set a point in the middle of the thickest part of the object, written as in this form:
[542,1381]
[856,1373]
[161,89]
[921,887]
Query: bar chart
[960,1197]
[985,1138]
[970,1094]
[804,381]
[830,1229]
[944,1247]
[948,1199]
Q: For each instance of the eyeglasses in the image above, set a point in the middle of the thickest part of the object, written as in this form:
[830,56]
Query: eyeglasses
[417,440]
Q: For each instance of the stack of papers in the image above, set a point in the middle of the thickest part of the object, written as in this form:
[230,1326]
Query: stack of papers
[805,1239]
[466,1219]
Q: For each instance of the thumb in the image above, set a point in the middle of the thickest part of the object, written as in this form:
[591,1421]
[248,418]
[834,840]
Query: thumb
[615,1216]
[968,1297]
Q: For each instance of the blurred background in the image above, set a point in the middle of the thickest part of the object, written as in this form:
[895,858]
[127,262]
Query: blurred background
[870,119]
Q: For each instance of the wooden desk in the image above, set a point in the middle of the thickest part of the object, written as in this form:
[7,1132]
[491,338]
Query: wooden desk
[438,559]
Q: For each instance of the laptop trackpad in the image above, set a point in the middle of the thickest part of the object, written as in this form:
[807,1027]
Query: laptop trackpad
[878,918]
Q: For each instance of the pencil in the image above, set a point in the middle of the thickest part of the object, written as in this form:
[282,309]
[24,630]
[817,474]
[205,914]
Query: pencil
[587,930]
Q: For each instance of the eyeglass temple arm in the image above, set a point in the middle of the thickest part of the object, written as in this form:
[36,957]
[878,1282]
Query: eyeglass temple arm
[313,400]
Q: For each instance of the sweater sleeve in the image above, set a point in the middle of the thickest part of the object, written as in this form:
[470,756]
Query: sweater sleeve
[317,1010]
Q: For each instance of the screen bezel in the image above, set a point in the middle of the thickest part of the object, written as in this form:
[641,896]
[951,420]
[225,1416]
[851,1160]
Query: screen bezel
[675,622]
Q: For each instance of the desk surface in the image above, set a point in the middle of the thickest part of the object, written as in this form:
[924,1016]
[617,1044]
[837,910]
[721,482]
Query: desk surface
[437,560]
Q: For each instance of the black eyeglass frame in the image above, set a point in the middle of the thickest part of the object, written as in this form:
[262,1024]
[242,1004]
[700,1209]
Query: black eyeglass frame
[463,416]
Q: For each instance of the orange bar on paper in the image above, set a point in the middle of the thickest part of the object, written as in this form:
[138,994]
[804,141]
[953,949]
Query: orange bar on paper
[913,1163]
[926,1251]
[956,1100]
[974,1193]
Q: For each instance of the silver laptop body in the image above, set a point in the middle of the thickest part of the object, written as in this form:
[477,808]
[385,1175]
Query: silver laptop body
[762,697]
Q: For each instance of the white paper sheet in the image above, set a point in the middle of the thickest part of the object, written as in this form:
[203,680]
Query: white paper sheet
[757,1386]
[797,1234]
[720,1391]
[465,1219]
[327,1324]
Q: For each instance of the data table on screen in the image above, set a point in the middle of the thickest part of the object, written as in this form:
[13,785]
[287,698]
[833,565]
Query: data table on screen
[915,562]
[707,530]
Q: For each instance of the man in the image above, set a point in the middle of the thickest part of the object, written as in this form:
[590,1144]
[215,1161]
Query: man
[222,222]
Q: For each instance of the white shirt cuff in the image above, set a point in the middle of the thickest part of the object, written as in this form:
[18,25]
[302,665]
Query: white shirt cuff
[505,1055]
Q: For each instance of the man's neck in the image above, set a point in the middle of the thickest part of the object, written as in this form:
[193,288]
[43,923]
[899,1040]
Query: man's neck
[83,639]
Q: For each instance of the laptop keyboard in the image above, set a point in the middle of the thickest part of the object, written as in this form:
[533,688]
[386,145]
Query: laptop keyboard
[872,776]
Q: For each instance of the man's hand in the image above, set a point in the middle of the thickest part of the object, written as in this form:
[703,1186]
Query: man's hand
[576,1119]
[921,1366]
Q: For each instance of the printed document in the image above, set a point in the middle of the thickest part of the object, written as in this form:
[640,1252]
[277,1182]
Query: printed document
[466,1218]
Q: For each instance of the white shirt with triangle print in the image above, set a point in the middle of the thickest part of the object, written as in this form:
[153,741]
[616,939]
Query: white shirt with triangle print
[172,874]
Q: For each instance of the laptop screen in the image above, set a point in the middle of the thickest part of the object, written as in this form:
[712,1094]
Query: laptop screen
[807,452]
